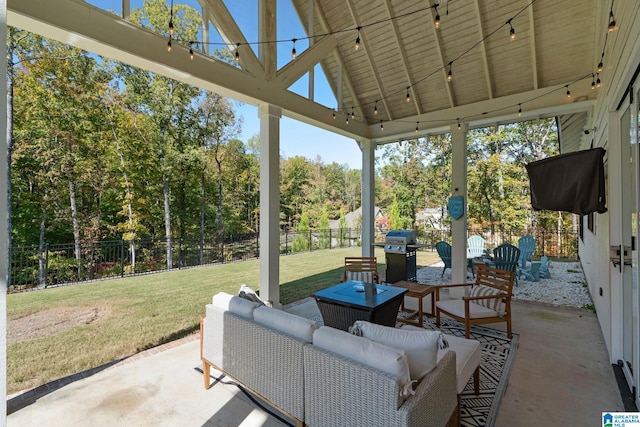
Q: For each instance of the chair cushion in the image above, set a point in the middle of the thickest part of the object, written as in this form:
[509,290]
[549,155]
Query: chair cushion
[384,358]
[421,346]
[495,304]
[362,276]
[287,323]
[234,304]
[456,308]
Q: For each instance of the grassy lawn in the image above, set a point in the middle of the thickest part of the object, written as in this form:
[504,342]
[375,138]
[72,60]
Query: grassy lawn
[141,312]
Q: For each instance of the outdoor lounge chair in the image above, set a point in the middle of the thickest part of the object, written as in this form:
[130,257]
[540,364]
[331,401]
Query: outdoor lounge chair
[444,251]
[544,268]
[527,246]
[364,269]
[505,257]
[489,300]
[475,249]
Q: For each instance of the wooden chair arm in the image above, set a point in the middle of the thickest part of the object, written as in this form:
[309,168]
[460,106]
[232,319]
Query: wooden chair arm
[457,285]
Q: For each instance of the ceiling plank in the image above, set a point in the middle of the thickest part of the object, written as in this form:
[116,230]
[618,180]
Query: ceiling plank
[403,54]
[532,41]
[232,35]
[305,62]
[436,35]
[374,69]
[483,48]
[268,52]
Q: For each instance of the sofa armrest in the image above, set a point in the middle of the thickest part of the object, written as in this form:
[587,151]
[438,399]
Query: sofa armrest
[340,391]
[435,398]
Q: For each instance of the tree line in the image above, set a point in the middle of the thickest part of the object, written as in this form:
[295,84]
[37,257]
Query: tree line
[102,150]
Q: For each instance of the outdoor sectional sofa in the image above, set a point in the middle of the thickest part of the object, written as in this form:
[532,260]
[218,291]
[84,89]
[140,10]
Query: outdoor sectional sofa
[274,354]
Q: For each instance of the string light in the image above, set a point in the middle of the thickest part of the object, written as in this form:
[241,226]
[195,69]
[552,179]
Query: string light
[191,52]
[353,114]
[347,120]
[237,52]
[381,126]
[600,64]
[334,114]
[171,20]
[519,110]
[375,108]
[568,91]
[294,55]
[512,31]
[612,21]
[408,96]
[417,126]
[357,43]
[593,82]
[169,45]
[449,74]
[436,22]
[598,82]
[459,124]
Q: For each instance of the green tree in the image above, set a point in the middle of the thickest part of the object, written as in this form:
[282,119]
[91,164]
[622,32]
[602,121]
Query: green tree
[324,241]
[301,242]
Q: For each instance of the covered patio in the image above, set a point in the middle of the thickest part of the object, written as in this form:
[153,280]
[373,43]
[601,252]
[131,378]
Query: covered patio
[403,70]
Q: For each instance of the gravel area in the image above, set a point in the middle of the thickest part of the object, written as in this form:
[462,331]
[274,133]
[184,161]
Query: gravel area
[567,286]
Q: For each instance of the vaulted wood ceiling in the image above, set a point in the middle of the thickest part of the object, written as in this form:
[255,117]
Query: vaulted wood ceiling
[557,46]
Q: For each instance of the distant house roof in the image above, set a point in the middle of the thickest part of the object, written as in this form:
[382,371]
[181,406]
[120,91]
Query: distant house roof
[352,217]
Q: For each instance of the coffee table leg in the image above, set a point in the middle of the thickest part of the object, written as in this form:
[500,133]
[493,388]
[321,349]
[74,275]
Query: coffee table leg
[420,311]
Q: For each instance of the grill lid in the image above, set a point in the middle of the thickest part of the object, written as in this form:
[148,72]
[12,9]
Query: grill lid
[400,237]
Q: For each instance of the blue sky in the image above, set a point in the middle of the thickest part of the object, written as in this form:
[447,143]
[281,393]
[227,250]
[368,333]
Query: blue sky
[296,138]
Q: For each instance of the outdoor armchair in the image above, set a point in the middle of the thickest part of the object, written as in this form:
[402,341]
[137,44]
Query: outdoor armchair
[489,300]
[364,269]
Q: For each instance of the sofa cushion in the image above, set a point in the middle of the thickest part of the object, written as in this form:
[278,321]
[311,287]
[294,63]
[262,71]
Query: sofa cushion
[384,358]
[468,358]
[420,345]
[234,304]
[495,304]
[287,323]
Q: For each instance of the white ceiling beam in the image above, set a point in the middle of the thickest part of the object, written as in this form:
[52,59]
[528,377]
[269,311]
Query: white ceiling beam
[220,17]
[543,102]
[532,42]
[95,30]
[267,31]
[374,69]
[405,66]
[483,48]
[436,35]
[305,62]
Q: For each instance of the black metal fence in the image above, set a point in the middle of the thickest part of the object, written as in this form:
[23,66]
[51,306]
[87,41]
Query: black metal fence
[57,264]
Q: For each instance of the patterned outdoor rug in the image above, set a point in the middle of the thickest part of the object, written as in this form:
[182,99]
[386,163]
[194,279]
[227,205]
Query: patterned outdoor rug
[498,353]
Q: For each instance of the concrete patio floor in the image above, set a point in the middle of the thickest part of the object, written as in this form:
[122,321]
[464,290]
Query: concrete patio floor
[561,376]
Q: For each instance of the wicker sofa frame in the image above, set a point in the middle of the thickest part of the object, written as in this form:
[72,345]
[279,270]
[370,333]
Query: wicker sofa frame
[316,387]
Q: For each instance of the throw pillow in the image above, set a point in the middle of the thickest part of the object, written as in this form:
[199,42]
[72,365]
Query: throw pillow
[249,294]
[287,323]
[496,304]
[387,359]
[421,346]
[361,276]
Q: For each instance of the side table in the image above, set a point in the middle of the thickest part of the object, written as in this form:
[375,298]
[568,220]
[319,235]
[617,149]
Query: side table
[419,291]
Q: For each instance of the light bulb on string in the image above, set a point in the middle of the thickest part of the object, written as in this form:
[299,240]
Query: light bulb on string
[417,123]
[190,51]
[347,120]
[600,66]
[408,96]
[436,21]
[612,22]
[171,22]
[381,126]
[568,91]
[598,82]
[512,31]
[169,45]
[450,74]
[459,124]
[294,55]
[375,108]
[519,110]
[353,114]
[334,115]
[237,52]
[356,45]
[593,82]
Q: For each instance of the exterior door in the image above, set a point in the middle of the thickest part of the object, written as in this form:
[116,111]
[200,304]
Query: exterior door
[629,119]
